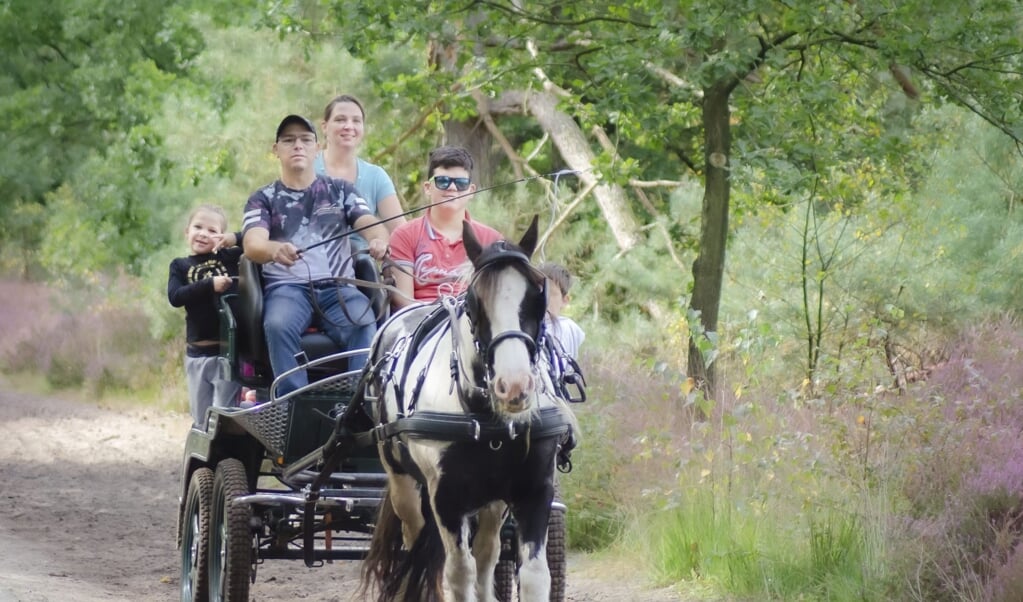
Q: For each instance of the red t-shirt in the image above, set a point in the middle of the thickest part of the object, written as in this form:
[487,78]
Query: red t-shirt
[436,263]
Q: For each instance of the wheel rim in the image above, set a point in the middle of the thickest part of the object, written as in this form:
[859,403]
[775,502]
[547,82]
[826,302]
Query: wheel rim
[219,556]
[222,554]
[190,556]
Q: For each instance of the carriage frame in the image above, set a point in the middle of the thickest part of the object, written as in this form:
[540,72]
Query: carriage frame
[287,479]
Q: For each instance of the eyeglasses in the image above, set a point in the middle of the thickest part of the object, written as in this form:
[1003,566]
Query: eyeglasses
[445,182]
[296,140]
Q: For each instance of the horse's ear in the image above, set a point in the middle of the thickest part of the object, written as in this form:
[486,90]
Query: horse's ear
[472,246]
[528,242]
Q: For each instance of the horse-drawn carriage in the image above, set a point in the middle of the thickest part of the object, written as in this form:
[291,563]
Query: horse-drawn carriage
[301,476]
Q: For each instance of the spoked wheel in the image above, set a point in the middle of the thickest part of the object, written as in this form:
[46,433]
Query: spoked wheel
[195,538]
[230,538]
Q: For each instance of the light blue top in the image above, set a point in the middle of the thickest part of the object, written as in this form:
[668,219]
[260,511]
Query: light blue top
[373,185]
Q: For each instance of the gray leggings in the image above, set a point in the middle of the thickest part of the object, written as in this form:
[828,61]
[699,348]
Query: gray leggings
[208,385]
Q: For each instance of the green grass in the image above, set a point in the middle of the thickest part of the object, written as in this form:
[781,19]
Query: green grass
[759,556]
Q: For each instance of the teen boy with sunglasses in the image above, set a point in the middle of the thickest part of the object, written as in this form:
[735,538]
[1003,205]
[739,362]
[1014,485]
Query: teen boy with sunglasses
[428,250]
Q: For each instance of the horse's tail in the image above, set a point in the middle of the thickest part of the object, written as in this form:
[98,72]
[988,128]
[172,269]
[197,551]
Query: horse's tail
[384,549]
[412,576]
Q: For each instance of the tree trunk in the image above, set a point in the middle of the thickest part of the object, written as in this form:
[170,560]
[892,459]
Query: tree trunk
[469,134]
[575,150]
[473,137]
[709,266]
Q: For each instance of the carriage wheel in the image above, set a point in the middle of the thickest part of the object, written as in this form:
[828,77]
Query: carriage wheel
[195,538]
[504,580]
[231,538]
[556,554]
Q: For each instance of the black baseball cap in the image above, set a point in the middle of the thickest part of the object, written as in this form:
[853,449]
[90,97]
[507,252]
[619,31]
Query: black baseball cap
[290,119]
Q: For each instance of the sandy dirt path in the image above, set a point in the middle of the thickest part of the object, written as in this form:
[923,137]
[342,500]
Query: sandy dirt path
[90,495]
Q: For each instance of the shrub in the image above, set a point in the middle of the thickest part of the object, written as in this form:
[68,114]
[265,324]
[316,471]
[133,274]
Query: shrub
[92,340]
[965,487]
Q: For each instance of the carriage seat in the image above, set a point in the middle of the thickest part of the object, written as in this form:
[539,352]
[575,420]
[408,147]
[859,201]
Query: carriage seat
[252,357]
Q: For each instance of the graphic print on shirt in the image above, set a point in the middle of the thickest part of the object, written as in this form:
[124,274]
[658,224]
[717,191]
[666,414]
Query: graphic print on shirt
[206,269]
[426,271]
[315,220]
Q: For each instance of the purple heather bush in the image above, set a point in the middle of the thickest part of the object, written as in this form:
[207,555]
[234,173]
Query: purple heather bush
[966,487]
[88,343]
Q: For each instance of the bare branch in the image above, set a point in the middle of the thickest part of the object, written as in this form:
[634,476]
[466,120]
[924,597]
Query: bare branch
[673,80]
[488,121]
[961,99]
[585,192]
[901,75]
[655,183]
[543,18]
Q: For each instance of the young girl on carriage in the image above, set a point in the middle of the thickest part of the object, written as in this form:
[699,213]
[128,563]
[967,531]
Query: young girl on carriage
[196,282]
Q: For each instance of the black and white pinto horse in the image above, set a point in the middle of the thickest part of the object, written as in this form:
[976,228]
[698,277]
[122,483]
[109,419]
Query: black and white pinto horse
[468,427]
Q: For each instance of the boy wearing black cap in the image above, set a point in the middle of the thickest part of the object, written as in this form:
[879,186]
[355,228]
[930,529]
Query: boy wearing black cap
[283,221]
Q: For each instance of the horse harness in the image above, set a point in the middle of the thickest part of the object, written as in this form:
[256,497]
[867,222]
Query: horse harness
[478,423]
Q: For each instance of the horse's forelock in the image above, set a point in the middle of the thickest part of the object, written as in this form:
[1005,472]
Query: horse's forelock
[485,282]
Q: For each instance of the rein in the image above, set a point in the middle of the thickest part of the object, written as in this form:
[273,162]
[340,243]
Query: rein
[555,175]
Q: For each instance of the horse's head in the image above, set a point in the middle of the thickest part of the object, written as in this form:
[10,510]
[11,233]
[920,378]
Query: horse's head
[505,302]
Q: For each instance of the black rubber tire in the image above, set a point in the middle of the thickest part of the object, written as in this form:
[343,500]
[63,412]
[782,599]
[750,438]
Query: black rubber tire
[505,577]
[195,537]
[504,580]
[556,554]
[230,538]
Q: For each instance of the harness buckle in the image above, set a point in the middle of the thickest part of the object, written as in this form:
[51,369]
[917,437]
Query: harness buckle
[511,431]
[476,430]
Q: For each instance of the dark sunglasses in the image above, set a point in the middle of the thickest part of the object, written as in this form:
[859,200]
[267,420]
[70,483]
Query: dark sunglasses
[445,182]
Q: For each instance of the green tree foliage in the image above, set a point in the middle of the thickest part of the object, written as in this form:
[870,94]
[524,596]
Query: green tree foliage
[81,82]
[706,89]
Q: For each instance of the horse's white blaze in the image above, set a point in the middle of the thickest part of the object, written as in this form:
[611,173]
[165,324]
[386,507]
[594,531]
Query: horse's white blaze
[514,382]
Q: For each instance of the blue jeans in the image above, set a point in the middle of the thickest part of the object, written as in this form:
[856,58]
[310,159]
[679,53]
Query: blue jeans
[288,312]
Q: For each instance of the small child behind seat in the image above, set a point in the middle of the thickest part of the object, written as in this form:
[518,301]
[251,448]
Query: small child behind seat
[562,328]
[196,283]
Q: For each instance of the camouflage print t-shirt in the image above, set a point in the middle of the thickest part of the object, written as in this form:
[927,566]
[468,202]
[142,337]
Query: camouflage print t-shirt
[326,209]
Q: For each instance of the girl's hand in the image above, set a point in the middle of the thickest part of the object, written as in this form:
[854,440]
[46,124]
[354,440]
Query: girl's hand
[223,241]
[221,283]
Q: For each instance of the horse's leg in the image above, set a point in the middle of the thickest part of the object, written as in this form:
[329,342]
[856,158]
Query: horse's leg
[486,547]
[532,517]
[459,568]
[407,505]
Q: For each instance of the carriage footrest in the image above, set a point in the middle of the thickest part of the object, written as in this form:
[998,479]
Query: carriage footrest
[350,499]
[355,478]
[352,492]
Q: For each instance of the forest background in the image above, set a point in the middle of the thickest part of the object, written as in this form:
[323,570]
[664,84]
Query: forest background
[795,230]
